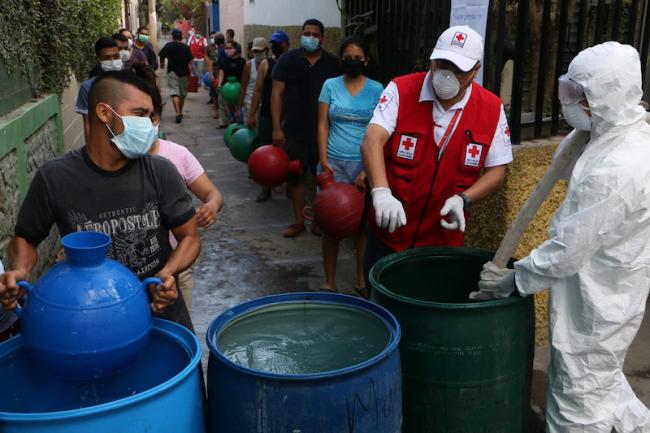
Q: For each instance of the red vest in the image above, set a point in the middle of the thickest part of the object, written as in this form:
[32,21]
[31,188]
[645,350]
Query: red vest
[415,176]
[197,47]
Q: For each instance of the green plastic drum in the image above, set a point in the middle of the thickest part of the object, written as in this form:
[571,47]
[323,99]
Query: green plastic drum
[230,91]
[230,130]
[467,366]
[243,142]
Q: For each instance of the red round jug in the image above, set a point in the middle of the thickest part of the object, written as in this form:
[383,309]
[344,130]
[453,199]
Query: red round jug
[269,166]
[338,206]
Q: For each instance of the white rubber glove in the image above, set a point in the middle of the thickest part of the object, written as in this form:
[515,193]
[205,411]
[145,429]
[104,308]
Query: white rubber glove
[454,206]
[389,212]
[496,283]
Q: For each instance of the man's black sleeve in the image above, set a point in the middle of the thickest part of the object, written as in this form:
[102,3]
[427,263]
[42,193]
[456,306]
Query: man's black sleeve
[152,57]
[280,69]
[35,218]
[163,53]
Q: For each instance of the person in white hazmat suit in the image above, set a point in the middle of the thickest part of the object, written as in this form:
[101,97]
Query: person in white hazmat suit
[596,261]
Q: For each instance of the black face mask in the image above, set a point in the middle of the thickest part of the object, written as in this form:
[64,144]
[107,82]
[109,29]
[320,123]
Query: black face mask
[352,67]
[276,49]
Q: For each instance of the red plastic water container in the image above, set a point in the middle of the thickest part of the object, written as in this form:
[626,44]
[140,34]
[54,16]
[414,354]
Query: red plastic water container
[269,166]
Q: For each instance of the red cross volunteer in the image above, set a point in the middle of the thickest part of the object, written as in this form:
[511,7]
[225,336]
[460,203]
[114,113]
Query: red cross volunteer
[437,142]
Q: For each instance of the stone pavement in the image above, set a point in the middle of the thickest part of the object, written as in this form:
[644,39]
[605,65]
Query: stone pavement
[244,255]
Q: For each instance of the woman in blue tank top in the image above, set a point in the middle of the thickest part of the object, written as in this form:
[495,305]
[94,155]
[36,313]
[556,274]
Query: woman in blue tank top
[346,105]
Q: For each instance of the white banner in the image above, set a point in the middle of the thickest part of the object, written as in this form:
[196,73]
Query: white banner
[472,13]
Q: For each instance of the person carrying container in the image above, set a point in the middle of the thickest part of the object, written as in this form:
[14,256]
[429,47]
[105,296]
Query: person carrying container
[112,185]
[437,142]
[595,261]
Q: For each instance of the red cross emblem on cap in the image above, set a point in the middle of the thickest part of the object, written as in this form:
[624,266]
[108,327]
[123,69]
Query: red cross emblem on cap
[459,39]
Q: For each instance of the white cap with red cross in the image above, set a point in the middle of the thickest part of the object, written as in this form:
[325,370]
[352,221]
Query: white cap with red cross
[461,45]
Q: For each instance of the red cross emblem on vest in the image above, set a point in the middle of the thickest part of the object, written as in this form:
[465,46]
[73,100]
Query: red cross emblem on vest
[473,154]
[407,147]
[459,39]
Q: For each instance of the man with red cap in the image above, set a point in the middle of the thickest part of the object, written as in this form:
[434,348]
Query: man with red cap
[437,142]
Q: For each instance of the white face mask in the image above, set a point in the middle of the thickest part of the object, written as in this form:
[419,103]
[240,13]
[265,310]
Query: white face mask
[445,84]
[575,116]
[125,55]
[112,65]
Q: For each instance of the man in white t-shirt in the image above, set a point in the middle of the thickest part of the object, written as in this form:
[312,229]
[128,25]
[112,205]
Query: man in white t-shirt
[437,142]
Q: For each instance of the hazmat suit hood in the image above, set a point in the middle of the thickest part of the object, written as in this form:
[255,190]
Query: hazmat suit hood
[610,74]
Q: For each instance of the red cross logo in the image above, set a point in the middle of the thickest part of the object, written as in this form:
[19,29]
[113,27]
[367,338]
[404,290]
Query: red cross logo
[383,99]
[507,131]
[408,143]
[459,39]
[473,151]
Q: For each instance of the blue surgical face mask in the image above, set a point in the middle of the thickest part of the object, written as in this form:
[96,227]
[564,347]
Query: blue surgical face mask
[137,137]
[309,43]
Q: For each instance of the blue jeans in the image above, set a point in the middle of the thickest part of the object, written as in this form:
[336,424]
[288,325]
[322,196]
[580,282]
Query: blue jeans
[344,171]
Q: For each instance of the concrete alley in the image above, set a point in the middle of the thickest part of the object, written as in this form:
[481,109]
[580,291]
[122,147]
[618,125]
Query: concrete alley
[244,255]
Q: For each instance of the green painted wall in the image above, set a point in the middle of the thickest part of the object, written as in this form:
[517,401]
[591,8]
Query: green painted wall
[29,135]
[17,126]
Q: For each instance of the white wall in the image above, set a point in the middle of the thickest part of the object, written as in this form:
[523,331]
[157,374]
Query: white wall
[291,12]
[231,16]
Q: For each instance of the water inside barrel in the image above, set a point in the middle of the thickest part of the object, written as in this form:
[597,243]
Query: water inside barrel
[26,389]
[303,338]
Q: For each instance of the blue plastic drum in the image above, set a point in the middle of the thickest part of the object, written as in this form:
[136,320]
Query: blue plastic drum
[160,392]
[305,362]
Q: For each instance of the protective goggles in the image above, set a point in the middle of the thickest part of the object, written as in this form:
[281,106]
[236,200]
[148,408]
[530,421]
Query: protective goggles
[568,91]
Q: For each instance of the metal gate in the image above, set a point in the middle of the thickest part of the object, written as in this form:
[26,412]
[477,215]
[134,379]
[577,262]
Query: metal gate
[540,36]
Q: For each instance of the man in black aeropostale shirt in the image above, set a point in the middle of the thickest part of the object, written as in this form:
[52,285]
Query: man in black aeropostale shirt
[112,185]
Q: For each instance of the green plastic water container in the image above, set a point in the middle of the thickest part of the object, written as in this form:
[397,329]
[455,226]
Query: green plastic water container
[242,143]
[230,91]
[466,366]
[230,130]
